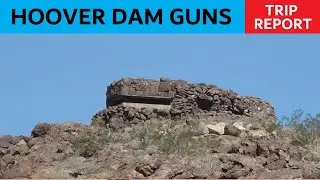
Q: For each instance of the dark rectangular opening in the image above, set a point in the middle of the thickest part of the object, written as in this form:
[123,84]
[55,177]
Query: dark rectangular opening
[140,99]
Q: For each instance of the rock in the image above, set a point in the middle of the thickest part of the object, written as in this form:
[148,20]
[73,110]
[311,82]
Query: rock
[143,117]
[253,126]
[164,79]
[21,143]
[167,171]
[135,175]
[3,166]
[293,164]
[17,139]
[250,127]
[249,162]
[294,153]
[147,169]
[3,151]
[7,159]
[41,129]
[261,160]
[14,150]
[274,134]
[232,130]
[164,86]
[22,169]
[230,157]
[116,123]
[217,128]
[279,164]
[202,129]
[212,91]
[257,133]
[34,141]
[200,167]
[175,112]
[239,108]
[23,150]
[263,149]
[239,125]
[227,166]
[147,112]
[163,113]
[226,145]
[133,121]
[235,173]
[19,149]
[248,148]
[281,174]
[311,171]
[204,101]
[131,114]
[98,122]
[5,141]
[272,158]
[283,155]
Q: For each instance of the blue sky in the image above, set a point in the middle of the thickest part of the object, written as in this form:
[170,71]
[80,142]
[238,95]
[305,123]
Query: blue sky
[58,78]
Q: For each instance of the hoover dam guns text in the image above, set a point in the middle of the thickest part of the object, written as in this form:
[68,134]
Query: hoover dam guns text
[120,16]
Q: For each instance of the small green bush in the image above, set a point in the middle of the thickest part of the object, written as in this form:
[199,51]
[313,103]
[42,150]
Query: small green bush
[89,144]
[168,141]
[86,145]
[270,126]
[304,129]
[304,135]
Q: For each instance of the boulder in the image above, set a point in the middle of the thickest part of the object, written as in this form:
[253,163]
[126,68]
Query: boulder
[3,151]
[149,168]
[226,145]
[204,101]
[41,129]
[239,125]
[217,128]
[7,159]
[232,130]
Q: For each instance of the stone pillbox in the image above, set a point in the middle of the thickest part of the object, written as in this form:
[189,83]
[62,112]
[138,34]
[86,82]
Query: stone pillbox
[131,100]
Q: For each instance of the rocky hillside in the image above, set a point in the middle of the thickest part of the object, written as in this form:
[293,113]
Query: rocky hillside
[163,129]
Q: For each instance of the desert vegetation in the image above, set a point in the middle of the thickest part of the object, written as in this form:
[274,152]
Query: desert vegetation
[302,128]
[165,138]
[173,137]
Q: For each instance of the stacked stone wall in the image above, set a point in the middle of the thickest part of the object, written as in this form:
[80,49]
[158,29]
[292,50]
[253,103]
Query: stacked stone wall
[186,100]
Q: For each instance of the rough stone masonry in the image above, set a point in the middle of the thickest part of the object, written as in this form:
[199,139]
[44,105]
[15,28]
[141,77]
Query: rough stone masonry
[132,100]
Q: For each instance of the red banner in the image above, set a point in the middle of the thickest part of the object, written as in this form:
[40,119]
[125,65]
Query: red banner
[282,16]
